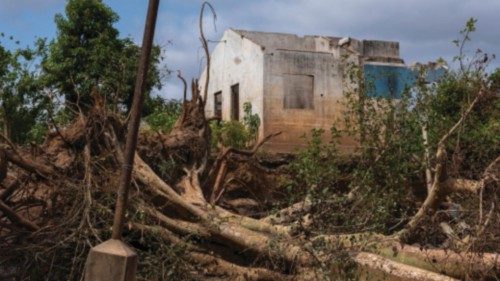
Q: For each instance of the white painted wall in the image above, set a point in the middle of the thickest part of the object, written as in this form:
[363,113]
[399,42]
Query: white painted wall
[236,59]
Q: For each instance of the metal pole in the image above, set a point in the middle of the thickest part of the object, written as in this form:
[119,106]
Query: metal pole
[135,118]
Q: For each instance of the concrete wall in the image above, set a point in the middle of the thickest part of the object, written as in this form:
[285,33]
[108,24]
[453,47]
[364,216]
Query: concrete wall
[287,55]
[236,60]
[282,41]
[327,92]
[374,48]
[271,41]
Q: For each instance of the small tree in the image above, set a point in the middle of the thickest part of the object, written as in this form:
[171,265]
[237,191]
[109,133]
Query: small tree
[21,105]
[88,55]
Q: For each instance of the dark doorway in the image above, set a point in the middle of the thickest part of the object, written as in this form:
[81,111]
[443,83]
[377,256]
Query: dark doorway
[235,102]
[218,104]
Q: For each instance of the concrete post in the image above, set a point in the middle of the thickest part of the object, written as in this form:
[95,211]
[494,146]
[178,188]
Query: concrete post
[111,260]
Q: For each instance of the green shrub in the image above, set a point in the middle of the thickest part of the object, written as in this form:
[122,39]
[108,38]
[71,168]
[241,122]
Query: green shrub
[234,133]
[315,168]
[251,121]
[230,134]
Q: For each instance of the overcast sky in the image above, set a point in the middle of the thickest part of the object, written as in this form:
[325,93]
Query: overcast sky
[424,28]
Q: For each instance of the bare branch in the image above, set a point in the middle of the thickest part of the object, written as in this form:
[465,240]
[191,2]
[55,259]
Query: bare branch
[17,219]
[428,173]
[462,118]
[205,46]
[254,149]
[179,75]
[9,190]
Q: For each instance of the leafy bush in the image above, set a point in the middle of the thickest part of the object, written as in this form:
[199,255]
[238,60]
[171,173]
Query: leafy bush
[315,168]
[231,134]
[234,133]
[250,120]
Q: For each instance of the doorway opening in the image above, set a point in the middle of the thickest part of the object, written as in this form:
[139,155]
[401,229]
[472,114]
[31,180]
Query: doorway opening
[218,104]
[235,102]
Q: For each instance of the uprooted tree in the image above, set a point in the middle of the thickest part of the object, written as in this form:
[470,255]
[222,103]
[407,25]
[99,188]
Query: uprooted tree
[57,201]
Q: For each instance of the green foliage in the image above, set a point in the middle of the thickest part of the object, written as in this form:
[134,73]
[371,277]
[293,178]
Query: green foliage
[494,80]
[234,133]
[21,103]
[478,140]
[163,114]
[389,136]
[470,26]
[37,133]
[230,134]
[250,120]
[88,55]
[315,167]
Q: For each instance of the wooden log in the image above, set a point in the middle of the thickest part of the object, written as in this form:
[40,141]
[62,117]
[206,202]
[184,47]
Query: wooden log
[398,271]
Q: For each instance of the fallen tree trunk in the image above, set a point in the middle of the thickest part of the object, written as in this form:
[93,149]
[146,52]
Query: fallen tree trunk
[215,266]
[288,213]
[458,265]
[455,264]
[394,270]
[227,227]
[29,164]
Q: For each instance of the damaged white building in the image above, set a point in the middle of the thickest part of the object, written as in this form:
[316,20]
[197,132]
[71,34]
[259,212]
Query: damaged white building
[294,83]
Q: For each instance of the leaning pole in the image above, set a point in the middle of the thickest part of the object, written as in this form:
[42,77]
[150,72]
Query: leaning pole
[113,259]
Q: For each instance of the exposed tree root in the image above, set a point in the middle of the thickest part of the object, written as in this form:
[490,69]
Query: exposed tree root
[16,218]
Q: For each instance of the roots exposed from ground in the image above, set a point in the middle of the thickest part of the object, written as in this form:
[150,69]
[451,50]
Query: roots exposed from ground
[57,201]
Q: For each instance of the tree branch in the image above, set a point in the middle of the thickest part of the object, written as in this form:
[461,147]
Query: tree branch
[17,219]
[205,47]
